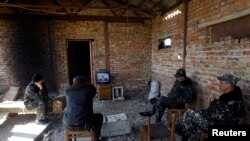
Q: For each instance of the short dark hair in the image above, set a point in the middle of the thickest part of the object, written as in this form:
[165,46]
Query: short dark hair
[37,77]
[79,79]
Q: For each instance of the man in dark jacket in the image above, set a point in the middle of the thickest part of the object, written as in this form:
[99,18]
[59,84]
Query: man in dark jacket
[36,96]
[181,93]
[78,113]
[227,110]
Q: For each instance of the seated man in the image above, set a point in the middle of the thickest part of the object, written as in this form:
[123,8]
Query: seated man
[180,94]
[227,110]
[36,96]
[78,113]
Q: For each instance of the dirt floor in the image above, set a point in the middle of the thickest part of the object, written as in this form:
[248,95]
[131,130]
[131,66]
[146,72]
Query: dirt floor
[131,106]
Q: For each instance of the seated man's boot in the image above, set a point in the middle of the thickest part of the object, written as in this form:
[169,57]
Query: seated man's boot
[146,114]
[149,113]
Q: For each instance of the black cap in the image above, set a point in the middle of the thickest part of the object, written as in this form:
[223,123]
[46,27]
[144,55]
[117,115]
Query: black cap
[180,72]
[37,77]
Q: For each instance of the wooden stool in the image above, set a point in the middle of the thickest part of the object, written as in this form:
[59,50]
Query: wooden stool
[69,134]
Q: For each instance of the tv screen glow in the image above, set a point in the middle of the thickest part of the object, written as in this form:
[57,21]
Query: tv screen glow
[102,77]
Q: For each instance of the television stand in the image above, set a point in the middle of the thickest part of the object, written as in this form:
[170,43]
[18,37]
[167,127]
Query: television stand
[104,91]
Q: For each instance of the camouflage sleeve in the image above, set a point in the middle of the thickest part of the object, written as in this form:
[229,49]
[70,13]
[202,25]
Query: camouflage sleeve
[226,113]
[30,94]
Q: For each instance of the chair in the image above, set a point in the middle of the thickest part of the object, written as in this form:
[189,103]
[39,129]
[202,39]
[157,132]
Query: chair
[180,112]
[153,131]
[70,134]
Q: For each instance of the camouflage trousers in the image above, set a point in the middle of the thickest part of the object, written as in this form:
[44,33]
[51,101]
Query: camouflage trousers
[192,122]
[165,102]
[40,106]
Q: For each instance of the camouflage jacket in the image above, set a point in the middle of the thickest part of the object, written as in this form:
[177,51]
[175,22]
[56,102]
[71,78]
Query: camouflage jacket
[227,110]
[182,92]
[32,92]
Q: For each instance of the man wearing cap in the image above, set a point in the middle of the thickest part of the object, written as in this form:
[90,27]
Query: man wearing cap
[79,114]
[227,110]
[36,96]
[180,94]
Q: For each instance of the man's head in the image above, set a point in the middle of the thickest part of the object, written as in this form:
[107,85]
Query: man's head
[37,78]
[180,74]
[227,82]
[79,79]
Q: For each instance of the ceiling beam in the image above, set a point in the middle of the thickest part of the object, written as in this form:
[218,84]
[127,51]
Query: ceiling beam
[108,6]
[75,18]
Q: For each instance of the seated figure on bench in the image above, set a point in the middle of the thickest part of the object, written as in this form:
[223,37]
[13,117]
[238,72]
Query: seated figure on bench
[181,93]
[227,110]
[79,114]
[36,97]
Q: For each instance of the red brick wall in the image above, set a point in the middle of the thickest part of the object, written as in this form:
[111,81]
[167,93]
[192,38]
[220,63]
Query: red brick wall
[130,54]
[28,46]
[164,61]
[205,59]
[129,50]
[24,49]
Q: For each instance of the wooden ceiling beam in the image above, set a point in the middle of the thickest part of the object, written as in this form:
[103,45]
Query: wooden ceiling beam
[108,6]
[6,1]
[75,18]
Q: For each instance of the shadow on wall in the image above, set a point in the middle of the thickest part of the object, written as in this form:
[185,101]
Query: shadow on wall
[30,52]
[197,90]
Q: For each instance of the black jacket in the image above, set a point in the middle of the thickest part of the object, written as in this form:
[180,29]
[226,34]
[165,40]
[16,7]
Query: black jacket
[79,106]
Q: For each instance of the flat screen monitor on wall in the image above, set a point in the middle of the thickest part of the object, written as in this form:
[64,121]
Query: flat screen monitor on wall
[103,76]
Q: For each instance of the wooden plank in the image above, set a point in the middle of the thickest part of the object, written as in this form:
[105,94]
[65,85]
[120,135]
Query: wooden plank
[225,18]
[12,93]
[75,18]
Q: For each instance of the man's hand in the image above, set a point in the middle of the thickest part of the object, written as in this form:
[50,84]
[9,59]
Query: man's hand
[39,84]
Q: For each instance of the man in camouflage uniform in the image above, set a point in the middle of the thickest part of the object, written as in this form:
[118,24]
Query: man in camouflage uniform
[36,97]
[227,110]
[180,94]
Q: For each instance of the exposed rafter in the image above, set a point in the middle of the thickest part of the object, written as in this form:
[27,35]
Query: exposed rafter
[135,8]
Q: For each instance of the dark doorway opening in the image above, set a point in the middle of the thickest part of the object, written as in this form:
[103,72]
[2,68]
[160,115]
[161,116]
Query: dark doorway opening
[79,59]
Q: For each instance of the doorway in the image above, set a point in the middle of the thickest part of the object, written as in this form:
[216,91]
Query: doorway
[79,59]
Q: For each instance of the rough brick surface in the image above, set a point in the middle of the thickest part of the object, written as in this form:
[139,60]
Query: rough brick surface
[40,46]
[205,59]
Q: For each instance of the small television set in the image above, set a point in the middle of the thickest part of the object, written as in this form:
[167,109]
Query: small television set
[103,76]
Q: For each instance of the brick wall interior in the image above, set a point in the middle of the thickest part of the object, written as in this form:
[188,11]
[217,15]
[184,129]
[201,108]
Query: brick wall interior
[205,58]
[28,46]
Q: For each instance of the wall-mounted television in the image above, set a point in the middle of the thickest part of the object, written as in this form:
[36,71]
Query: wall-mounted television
[103,76]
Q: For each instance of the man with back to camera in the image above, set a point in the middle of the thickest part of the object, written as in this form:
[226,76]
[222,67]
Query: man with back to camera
[227,110]
[180,94]
[78,113]
[36,96]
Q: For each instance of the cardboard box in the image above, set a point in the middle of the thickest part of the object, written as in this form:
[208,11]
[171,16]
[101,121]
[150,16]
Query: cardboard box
[115,125]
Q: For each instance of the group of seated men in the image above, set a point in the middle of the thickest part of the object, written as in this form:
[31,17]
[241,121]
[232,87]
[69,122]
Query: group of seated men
[79,114]
[228,109]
